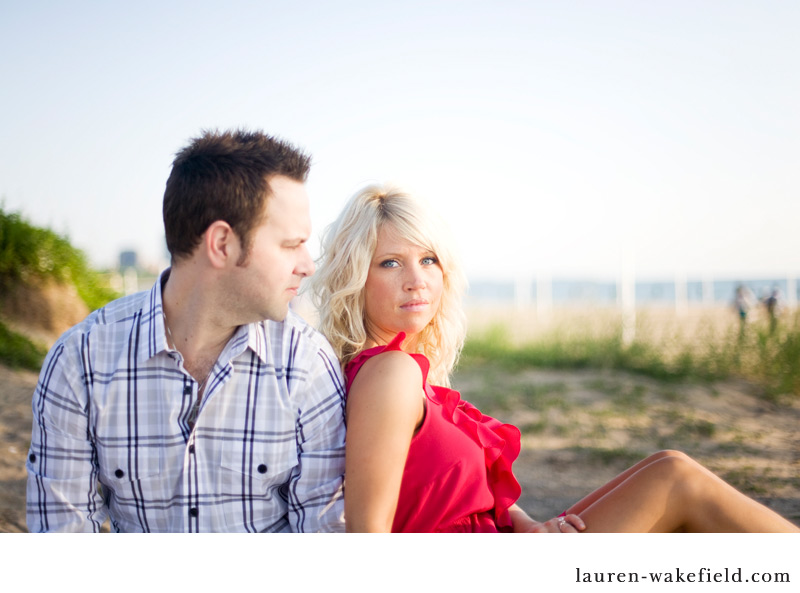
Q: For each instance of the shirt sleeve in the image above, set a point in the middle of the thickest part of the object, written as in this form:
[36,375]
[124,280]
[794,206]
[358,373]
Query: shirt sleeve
[316,493]
[62,463]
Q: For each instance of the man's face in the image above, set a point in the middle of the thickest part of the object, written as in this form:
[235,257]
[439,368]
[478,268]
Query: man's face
[270,276]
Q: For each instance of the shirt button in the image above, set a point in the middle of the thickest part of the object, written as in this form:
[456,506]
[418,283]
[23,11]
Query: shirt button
[193,512]
[119,473]
[32,458]
[262,469]
[191,449]
[187,390]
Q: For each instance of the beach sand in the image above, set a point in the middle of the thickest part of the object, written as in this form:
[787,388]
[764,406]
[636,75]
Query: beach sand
[580,427]
[569,448]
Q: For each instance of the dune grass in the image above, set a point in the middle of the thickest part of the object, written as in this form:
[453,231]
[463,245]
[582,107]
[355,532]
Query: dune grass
[30,255]
[767,356]
[17,351]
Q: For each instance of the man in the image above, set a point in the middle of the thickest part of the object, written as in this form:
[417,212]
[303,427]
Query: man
[204,404]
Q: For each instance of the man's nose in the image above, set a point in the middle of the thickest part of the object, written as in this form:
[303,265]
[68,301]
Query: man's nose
[305,266]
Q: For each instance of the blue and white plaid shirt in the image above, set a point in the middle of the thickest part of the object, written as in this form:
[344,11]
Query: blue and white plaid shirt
[111,433]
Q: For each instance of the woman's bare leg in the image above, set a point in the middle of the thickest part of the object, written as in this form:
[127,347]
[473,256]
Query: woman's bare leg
[671,492]
[593,497]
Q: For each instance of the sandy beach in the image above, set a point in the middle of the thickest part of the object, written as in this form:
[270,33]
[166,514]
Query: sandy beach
[580,427]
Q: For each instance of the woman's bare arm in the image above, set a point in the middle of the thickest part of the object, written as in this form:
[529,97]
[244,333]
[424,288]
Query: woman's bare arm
[384,408]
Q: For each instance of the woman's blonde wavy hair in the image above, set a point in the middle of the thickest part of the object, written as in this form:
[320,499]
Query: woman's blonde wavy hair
[348,246]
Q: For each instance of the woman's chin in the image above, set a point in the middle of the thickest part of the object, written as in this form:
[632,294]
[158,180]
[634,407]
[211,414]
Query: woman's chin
[412,330]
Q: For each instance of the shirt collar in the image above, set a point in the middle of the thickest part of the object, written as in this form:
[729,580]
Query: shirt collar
[252,336]
[257,339]
[153,321]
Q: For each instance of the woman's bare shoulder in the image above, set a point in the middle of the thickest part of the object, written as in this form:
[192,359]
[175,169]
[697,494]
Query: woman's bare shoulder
[390,380]
[392,365]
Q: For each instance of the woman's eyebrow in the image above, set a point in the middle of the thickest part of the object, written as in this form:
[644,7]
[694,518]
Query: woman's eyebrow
[386,254]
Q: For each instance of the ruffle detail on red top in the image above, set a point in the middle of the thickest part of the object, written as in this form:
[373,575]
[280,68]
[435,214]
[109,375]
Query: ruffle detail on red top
[500,442]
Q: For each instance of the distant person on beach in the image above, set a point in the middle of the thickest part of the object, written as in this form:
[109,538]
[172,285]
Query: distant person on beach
[773,302]
[743,302]
[203,404]
[418,457]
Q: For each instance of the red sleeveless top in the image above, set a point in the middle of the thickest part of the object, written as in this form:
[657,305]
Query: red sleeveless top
[457,476]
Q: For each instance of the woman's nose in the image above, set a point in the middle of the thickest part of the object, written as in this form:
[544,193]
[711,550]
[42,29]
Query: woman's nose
[415,279]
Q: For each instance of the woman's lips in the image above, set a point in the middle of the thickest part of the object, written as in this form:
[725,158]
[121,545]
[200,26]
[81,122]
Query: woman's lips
[415,305]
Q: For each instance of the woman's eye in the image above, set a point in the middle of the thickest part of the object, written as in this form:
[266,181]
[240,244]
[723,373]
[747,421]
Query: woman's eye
[389,263]
[430,261]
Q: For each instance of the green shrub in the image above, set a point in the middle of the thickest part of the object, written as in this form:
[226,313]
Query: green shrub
[28,252]
[17,351]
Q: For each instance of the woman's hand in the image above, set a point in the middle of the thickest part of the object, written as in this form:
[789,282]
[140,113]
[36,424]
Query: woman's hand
[524,524]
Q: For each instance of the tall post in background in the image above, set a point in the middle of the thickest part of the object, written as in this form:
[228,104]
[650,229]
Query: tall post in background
[627,298]
[544,295]
[791,291]
[129,268]
[130,281]
[523,284]
[681,295]
[708,291]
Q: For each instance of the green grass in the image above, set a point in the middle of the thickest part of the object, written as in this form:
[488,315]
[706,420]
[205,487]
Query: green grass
[17,351]
[694,428]
[751,482]
[29,253]
[541,397]
[631,399]
[612,456]
[768,358]
[538,427]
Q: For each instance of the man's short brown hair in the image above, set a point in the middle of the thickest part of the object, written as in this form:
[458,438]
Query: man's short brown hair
[225,176]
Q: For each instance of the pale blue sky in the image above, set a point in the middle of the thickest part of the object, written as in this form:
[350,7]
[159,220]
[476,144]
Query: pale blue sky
[556,136]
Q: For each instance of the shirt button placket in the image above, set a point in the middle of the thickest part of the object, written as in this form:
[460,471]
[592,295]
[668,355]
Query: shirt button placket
[188,391]
[192,511]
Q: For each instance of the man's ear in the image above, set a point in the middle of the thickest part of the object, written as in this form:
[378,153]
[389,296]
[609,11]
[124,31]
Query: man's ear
[221,244]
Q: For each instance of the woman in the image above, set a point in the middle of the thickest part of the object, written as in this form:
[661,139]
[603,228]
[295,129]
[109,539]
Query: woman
[420,459]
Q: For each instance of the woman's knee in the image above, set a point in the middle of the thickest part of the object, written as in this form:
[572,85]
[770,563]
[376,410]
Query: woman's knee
[669,453]
[681,470]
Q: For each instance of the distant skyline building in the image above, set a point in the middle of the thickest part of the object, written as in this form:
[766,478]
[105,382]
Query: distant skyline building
[128,259]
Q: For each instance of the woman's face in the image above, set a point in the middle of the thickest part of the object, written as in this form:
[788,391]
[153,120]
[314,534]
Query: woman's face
[403,289]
